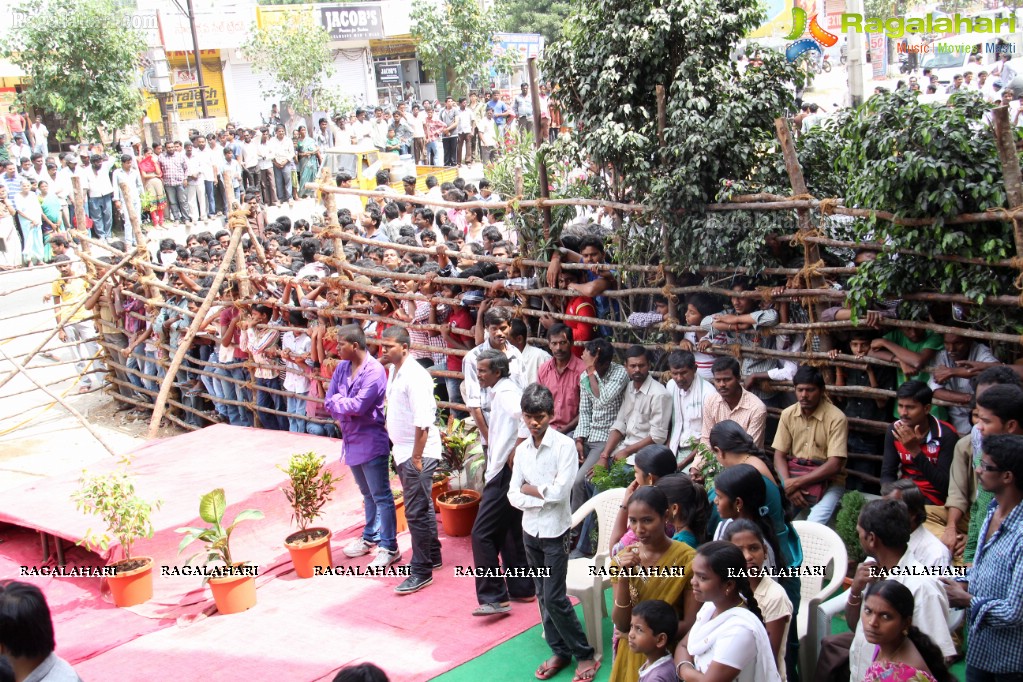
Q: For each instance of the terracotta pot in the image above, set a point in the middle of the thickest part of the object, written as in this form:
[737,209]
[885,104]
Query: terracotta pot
[438,488]
[457,519]
[234,594]
[399,515]
[306,556]
[132,587]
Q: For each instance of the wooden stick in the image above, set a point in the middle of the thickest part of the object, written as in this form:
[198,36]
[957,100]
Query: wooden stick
[57,399]
[1005,139]
[68,316]
[236,222]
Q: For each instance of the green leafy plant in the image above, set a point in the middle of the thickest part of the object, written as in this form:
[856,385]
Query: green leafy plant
[112,497]
[845,523]
[620,475]
[296,57]
[82,59]
[462,452]
[711,467]
[217,537]
[310,487]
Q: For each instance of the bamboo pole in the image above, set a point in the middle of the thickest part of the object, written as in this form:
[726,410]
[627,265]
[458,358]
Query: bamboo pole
[534,90]
[80,217]
[236,222]
[1005,139]
[78,306]
[57,399]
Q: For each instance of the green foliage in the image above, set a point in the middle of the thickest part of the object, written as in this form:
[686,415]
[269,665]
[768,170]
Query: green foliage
[719,123]
[845,523]
[216,537]
[533,16]
[919,160]
[457,35]
[311,487]
[711,467]
[82,58]
[126,515]
[620,475]
[295,58]
[458,441]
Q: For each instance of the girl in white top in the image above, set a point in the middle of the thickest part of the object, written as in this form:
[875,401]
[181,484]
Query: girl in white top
[728,641]
[774,604]
[698,307]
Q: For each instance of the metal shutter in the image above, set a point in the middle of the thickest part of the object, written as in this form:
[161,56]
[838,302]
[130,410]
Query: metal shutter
[246,104]
[351,66]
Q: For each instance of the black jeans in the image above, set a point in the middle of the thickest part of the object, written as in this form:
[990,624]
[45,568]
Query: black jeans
[422,523]
[497,535]
[561,627]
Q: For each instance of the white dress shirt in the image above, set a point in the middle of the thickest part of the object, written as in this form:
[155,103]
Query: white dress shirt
[927,549]
[265,154]
[532,358]
[686,413]
[411,405]
[472,392]
[552,469]
[930,614]
[99,181]
[644,412]
[506,425]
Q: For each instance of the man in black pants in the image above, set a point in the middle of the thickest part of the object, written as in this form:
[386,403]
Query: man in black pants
[497,533]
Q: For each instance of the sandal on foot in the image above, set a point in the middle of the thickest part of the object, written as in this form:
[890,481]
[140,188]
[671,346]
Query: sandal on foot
[588,673]
[491,609]
[551,667]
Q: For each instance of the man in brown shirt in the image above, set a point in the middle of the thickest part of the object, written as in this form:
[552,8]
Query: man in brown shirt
[811,447]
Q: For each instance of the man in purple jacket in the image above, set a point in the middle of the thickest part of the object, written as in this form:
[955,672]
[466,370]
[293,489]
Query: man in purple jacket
[356,399]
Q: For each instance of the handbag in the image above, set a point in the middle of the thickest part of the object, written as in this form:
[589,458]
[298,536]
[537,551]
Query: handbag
[801,467]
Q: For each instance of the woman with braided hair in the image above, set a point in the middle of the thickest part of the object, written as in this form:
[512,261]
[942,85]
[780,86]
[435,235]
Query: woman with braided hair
[728,641]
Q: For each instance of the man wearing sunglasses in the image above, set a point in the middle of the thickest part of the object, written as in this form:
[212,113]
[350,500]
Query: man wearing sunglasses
[992,589]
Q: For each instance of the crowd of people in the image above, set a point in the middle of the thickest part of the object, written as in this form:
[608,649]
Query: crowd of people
[428,307]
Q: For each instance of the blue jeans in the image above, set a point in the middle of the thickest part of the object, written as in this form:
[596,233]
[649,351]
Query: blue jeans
[268,420]
[825,507]
[101,210]
[433,157]
[282,180]
[327,430]
[211,196]
[377,501]
[152,369]
[236,414]
[455,394]
[296,413]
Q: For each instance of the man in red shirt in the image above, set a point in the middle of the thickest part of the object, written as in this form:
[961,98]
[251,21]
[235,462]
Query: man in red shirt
[561,375]
[459,318]
[16,125]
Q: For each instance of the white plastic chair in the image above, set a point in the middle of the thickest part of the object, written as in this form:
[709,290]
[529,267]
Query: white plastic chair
[587,588]
[821,547]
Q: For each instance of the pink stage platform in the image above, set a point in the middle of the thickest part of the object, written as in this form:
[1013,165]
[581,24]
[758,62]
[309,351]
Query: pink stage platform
[299,629]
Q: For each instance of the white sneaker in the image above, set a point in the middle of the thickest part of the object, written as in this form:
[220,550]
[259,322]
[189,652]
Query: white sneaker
[385,558]
[357,547]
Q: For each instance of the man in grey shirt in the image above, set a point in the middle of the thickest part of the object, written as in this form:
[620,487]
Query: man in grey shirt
[523,109]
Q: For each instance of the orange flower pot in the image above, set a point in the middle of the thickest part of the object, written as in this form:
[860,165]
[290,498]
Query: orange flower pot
[134,586]
[399,515]
[234,594]
[457,517]
[307,554]
[438,488]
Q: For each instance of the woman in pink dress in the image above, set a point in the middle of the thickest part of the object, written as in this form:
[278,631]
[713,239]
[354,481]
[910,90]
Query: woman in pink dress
[902,653]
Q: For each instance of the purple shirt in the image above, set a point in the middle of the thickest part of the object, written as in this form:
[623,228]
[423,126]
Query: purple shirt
[358,407]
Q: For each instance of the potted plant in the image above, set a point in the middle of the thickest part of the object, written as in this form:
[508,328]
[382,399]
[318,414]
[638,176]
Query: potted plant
[127,517]
[463,456]
[235,591]
[310,488]
[845,525]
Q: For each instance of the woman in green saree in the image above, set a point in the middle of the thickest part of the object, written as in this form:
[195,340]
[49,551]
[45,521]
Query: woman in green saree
[308,161]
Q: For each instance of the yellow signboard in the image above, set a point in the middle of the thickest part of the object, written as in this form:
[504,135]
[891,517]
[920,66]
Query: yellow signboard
[185,99]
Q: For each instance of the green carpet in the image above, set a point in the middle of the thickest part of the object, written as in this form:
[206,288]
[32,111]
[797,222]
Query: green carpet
[518,658]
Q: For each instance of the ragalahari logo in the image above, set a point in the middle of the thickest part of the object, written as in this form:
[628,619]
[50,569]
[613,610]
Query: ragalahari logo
[819,38]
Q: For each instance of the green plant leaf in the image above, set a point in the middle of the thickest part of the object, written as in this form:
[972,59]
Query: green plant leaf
[212,506]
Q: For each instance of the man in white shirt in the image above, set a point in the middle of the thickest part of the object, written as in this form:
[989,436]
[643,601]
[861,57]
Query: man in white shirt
[195,186]
[415,122]
[645,415]
[40,135]
[282,153]
[378,129]
[687,390]
[541,486]
[497,533]
[532,357]
[498,324]
[264,153]
[250,161]
[101,196]
[128,173]
[465,124]
[884,534]
[416,448]
[924,546]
